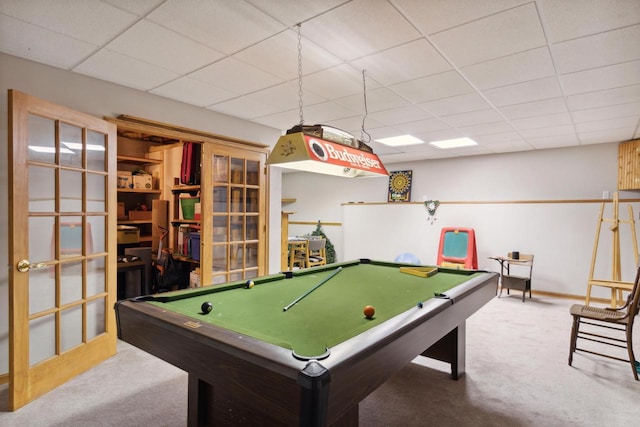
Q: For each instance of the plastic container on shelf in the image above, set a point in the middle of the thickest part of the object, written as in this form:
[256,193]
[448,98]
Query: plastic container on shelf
[188,205]
[194,246]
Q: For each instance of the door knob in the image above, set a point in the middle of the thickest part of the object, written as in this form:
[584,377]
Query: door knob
[25,265]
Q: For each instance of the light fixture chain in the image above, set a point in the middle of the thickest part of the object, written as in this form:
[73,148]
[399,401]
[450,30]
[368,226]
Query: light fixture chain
[366,111]
[300,104]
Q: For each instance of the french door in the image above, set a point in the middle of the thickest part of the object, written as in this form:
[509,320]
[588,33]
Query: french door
[62,245]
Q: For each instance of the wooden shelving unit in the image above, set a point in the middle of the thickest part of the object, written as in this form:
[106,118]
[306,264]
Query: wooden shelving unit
[233,192]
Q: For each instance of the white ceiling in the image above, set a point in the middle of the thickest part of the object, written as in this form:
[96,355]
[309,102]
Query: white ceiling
[513,75]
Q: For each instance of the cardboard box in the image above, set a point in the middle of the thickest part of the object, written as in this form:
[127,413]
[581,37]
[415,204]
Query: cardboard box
[128,234]
[139,215]
[142,182]
[125,179]
[121,214]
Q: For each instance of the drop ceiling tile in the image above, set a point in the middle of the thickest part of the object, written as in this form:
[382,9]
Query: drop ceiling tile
[38,44]
[417,58]
[517,68]
[393,158]
[613,76]
[235,76]
[500,138]
[292,12]
[117,68]
[226,26]
[617,123]
[156,45]
[603,98]
[485,129]
[502,34]
[453,152]
[336,82]
[139,7]
[410,113]
[92,21]
[283,120]
[359,28]
[573,19]
[542,121]
[278,55]
[554,141]
[510,147]
[436,15]
[605,136]
[353,125]
[377,100]
[456,104]
[599,50]
[535,108]
[472,118]
[440,135]
[434,87]
[325,111]
[520,93]
[243,107]
[193,92]
[285,96]
[548,131]
[610,112]
[422,126]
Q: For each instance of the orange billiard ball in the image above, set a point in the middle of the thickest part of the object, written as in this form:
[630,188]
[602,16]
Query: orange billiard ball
[369,311]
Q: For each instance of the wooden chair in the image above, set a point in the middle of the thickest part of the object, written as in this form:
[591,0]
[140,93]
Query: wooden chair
[314,253]
[297,253]
[317,254]
[522,281]
[607,320]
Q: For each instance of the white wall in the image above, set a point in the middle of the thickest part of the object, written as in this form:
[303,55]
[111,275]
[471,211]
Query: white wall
[560,232]
[101,99]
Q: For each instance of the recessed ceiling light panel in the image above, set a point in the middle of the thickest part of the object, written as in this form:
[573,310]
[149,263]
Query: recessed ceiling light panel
[454,143]
[400,141]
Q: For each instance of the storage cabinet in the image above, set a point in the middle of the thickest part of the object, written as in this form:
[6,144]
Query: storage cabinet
[233,200]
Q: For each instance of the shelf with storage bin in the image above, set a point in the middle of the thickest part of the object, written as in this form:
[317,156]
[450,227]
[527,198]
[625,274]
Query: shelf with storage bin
[140,161]
[182,227]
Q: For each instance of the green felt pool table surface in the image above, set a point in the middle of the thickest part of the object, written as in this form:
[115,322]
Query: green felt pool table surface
[250,361]
[328,315]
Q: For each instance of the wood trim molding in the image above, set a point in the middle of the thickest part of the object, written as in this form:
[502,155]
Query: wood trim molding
[494,202]
[175,134]
[328,224]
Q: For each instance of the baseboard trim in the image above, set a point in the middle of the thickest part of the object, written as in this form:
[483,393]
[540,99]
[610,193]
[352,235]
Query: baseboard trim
[570,296]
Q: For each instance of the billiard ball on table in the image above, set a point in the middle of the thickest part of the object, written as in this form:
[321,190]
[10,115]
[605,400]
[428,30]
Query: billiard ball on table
[369,311]
[206,307]
[249,284]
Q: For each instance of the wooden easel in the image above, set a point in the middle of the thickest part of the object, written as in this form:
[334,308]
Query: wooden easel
[616,285]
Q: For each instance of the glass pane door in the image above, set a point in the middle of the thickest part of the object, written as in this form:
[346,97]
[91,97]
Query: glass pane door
[61,323]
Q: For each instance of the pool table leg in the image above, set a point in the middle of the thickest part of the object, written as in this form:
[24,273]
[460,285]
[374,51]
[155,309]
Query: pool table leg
[197,407]
[451,349]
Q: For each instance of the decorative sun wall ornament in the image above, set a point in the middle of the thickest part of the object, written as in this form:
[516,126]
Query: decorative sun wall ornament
[431,206]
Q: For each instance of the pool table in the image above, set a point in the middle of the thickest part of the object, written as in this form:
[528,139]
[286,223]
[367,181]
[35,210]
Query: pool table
[296,348]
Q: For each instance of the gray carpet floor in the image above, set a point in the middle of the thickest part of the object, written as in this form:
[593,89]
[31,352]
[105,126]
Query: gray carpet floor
[517,375]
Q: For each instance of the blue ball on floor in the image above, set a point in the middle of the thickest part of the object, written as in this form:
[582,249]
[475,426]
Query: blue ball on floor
[407,258]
